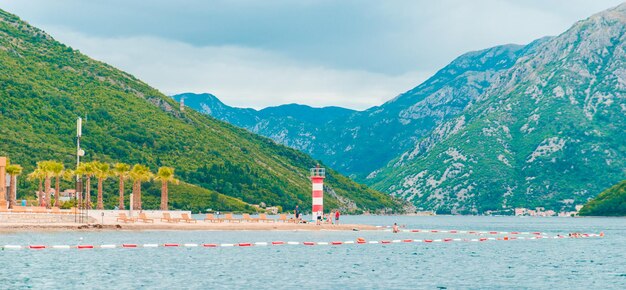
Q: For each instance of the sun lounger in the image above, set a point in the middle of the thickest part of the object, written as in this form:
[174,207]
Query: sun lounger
[246,218]
[209,217]
[121,217]
[229,218]
[168,218]
[144,218]
[185,217]
[283,218]
[263,218]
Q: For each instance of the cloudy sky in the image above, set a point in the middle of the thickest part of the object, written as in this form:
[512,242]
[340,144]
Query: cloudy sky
[351,53]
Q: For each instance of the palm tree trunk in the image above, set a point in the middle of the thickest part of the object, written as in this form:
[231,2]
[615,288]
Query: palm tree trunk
[88,193]
[121,200]
[164,197]
[135,204]
[138,195]
[57,194]
[12,190]
[48,191]
[100,202]
[39,196]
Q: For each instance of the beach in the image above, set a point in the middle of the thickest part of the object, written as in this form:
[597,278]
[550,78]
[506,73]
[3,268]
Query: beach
[108,220]
[199,226]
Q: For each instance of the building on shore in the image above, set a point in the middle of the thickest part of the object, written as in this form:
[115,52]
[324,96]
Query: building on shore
[541,212]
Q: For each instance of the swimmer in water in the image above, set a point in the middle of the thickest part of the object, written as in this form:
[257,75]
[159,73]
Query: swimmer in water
[395,228]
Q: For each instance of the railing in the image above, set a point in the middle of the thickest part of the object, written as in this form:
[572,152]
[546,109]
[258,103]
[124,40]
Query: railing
[318,172]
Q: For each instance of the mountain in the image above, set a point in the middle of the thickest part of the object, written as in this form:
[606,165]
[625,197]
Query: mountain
[611,202]
[297,126]
[45,86]
[531,126]
[550,128]
[358,143]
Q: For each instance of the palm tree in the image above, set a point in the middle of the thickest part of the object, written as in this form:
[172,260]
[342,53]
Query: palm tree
[102,172]
[56,168]
[165,175]
[121,171]
[87,169]
[46,169]
[13,170]
[138,174]
[38,175]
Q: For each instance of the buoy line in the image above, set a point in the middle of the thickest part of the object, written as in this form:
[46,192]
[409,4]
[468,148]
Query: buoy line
[359,241]
[474,232]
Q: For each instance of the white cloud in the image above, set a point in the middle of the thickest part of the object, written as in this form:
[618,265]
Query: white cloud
[239,76]
[355,53]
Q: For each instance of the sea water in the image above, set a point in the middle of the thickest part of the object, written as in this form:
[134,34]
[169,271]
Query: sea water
[589,263]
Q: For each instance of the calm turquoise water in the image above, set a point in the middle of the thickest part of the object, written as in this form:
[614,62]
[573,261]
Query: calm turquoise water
[595,263]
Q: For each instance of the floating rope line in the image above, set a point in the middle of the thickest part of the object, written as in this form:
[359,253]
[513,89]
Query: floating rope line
[475,232]
[359,241]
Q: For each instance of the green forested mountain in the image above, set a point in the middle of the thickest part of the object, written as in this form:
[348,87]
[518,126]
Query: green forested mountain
[611,202]
[45,86]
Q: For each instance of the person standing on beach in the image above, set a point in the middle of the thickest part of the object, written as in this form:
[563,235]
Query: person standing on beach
[337,217]
[319,218]
[296,212]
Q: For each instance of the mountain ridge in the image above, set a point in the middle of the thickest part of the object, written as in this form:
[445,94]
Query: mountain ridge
[533,125]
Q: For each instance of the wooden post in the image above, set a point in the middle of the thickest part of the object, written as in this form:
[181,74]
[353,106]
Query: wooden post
[3,182]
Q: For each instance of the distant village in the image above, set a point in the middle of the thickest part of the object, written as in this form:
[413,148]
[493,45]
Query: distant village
[540,211]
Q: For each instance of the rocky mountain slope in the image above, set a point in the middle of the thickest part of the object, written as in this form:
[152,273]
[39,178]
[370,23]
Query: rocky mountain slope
[45,86]
[550,128]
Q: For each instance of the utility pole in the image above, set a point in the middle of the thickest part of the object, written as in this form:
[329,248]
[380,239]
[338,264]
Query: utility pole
[79,184]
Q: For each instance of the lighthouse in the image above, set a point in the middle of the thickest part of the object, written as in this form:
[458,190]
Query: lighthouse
[317,179]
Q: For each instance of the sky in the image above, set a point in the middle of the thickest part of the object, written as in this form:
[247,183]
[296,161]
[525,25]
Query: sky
[350,53]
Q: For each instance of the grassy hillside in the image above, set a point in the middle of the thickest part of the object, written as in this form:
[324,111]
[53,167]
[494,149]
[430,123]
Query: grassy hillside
[45,86]
[611,202]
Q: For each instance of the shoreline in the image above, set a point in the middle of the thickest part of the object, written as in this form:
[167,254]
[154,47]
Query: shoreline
[200,226]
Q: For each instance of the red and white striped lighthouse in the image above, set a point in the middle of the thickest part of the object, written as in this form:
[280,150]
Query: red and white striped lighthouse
[317,178]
